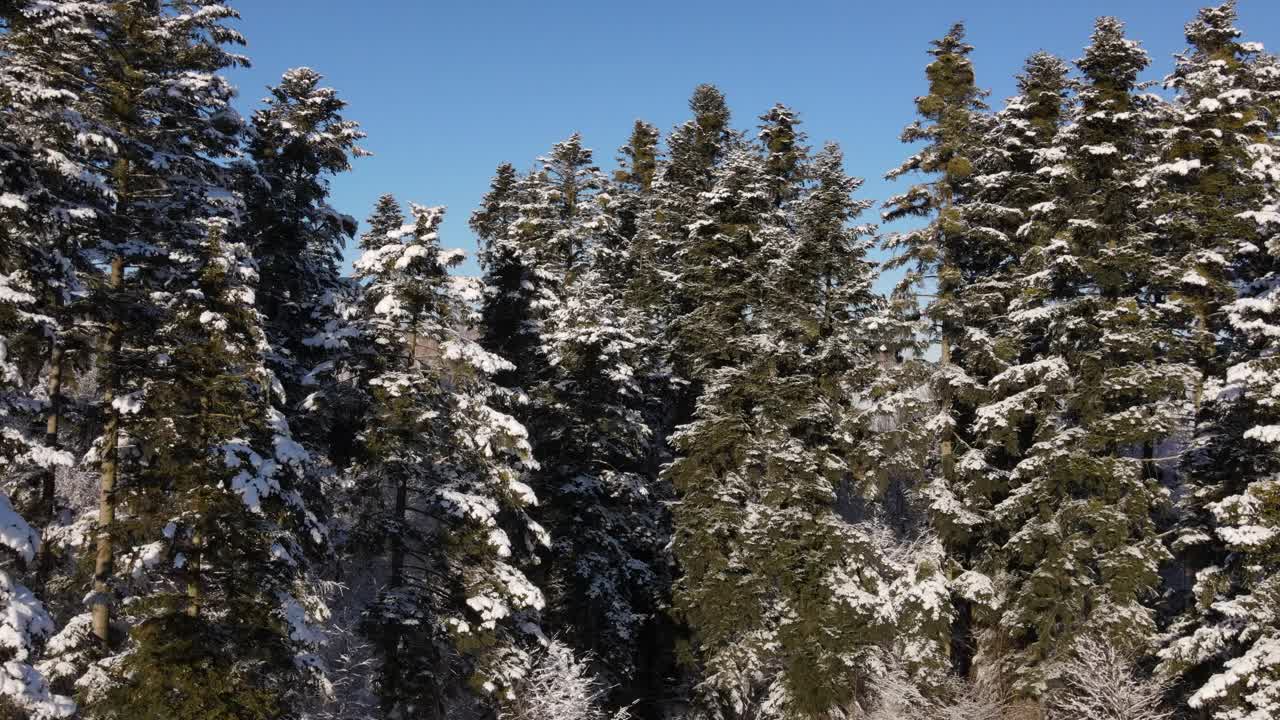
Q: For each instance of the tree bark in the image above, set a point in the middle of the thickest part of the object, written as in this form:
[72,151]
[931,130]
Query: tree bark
[104,563]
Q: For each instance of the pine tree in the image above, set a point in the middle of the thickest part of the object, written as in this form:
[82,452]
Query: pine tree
[211,512]
[45,213]
[297,141]
[443,468]
[1015,387]
[507,309]
[1082,553]
[629,196]
[783,594]
[1216,187]
[946,255]
[162,79]
[694,152]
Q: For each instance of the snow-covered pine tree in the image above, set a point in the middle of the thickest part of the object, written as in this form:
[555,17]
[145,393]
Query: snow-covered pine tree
[52,202]
[1083,554]
[694,151]
[510,302]
[443,469]
[785,151]
[638,162]
[214,525]
[629,195]
[47,213]
[1015,387]
[946,255]
[603,507]
[1217,187]
[784,596]
[166,113]
[297,141]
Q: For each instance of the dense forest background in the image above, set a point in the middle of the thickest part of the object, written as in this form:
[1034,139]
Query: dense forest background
[672,455]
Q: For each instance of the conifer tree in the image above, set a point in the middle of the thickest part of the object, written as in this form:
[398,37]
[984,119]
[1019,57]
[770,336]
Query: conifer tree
[168,115]
[945,255]
[505,307]
[630,193]
[444,467]
[1216,183]
[211,513]
[297,141]
[782,593]
[1014,386]
[24,456]
[694,152]
[1082,551]
[603,509]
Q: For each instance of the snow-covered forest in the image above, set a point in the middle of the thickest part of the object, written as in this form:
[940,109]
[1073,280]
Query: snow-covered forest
[671,456]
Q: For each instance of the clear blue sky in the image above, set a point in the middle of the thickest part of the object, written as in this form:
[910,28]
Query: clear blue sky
[447,89]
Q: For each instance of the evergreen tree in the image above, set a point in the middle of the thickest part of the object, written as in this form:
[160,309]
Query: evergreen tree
[783,594]
[1015,388]
[507,311]
[603,509]
[296,142]
[629,196]
[695,150]
[1082,551]
[443,468]
[212,513]
[1216,187]
[169,118]
[946,254]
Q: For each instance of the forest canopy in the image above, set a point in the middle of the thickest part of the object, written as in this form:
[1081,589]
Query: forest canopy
[671,455]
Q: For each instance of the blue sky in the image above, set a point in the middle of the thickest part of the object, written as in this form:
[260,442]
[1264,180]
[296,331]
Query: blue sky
[447,89]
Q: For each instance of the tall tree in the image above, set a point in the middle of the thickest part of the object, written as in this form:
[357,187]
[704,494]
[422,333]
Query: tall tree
[1082,552]
[297,141]
[169,117]
[1015,388]
[1215,182]
[216,530]
[943,255]
[443,469]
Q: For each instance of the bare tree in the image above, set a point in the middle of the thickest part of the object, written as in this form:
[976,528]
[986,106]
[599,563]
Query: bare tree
[1099,681]
[560,686]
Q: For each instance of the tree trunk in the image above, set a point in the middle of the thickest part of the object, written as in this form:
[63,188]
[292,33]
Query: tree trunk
[946,449]
[391,629]
[105,560]
[48,488]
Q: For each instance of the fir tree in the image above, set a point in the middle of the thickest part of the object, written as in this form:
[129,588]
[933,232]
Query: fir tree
[444,468]
[945,254]
[1217,185]
[297,141]
[168,114]
[782,593]
[1015,388]
[213,515]
[1082,550]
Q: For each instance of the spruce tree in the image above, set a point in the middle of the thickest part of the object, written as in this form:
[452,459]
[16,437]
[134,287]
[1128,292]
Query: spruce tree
[443,470]
[1216,185]
[1082,552]
[1015,387]
[297,141]
[629,196]
[212,513]
[507,310]
[944,256]
[784,595]
[695,149]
